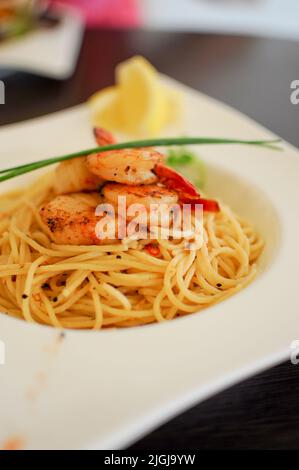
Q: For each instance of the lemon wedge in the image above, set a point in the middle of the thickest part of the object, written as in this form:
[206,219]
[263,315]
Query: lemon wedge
[105,108]
[142,102]
[139,103]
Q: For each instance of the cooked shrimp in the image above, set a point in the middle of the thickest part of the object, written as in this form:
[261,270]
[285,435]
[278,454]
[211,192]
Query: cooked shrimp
[159,203]
[73,175]
[144,194]
[71,219]
[127,166]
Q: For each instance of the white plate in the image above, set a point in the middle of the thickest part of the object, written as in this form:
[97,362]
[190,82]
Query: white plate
[51,52]
[106,389]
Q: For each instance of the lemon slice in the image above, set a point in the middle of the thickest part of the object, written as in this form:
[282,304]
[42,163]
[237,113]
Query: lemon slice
[104,106]
[139,103]
[142,101]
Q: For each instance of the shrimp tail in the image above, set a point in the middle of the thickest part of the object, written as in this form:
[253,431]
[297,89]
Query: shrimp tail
[174,180]
[103,137]
[188,194]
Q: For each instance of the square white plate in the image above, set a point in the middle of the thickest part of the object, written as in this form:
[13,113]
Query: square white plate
[105,389]
[51,52]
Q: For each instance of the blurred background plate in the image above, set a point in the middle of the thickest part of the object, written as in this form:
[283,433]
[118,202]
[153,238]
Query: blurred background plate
[265,18]
[51,52]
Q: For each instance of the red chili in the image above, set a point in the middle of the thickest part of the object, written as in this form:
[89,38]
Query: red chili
[153,250]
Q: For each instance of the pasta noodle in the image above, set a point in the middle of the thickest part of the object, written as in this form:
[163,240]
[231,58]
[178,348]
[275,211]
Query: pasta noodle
[117,285]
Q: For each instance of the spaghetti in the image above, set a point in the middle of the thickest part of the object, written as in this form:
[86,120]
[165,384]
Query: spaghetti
[117,285]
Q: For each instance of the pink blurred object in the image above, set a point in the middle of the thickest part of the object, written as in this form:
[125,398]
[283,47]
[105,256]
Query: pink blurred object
[106,12]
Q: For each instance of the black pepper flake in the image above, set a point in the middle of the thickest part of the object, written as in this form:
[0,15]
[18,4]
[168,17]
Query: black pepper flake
[118,257]
[46,285]
[55,299]
[24,296]
[219,284]
[13,278]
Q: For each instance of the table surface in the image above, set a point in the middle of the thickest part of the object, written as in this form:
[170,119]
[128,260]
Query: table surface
[254,76]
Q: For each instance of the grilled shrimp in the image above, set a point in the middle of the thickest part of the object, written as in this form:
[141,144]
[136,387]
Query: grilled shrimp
[71,219]
[155,202]
[144,194]
[126,166]
[73,175]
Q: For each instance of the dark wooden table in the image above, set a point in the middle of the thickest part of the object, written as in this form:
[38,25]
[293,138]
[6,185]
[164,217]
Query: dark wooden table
[253,75]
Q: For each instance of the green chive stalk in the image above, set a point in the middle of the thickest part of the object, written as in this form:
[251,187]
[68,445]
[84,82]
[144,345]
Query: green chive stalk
[27,168]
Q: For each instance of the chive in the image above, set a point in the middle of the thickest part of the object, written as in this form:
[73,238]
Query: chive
[27,168]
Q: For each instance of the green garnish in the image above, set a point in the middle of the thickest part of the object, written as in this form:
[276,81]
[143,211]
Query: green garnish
[27,168]
[188,164]
[180,157]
